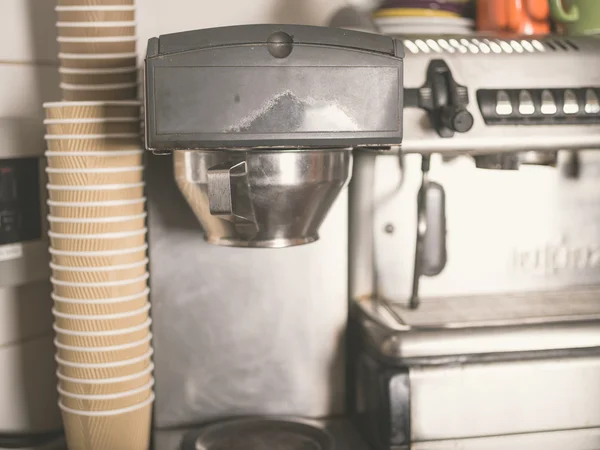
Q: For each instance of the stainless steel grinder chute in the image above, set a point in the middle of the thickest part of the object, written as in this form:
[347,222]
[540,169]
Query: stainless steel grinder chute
[262,120]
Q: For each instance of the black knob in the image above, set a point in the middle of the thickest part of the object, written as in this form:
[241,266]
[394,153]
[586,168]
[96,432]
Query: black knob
[457,119]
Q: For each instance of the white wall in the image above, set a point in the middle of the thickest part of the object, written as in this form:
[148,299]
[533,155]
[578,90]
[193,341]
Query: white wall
[28,54]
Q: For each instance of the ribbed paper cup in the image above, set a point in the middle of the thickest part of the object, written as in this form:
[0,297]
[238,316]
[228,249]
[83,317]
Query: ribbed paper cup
[95,13]
[86,177]
[95,159]
[94,2]
[95,355]
[81,92]
[87,142]
[96,29]
[116,125]
[112,290]
[105,386]
[101,274]
[92,109]
[97,225]
[106,338]
[104,370]
[82,210]
[103,354]
[124,429]
[116,44]
[106,402]
[97,242]
[101,306]
[95,193]
[98,76]
[97,60]
[99,259]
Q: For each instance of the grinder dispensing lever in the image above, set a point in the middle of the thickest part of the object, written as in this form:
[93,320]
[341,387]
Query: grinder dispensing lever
[430,242]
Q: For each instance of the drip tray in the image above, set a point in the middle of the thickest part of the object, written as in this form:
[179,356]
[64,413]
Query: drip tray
[259,434]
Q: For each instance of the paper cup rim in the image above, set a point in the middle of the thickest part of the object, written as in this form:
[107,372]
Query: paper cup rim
[104,284]
[98,219]
[111,348]
[98,154]
[146,371]
[101,397]
[99,187]
[65,104]
[97,170]
[74,137]
[117,235]
[122,363]
[115,267]
[97,55]
[134,201]
[60,8]
[112,412]
[92,24]
[102,39]
[124,251]
[94,71]
[115,332]
[100,301]
[97,87]
[133,119]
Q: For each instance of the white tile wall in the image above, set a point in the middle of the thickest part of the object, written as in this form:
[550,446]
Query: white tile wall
[28,56]
[157,17]
[27,31]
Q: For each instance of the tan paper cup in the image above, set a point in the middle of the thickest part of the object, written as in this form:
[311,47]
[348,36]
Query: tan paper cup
[124,429]
[101,274]
[82,210]
[80,92]
[97,60]
[107,338]
[92,109]
[93,126]
[96,29]
[94,159]
[98,259]
[106,402]
[117,44]
[105,386]
[101,306]
[112,290]
[97,225]
[104,370]
[103,354]
[95,193]
[95,13]
[97,242]
[94,2]
[87,142]
[86,177]
[98,76]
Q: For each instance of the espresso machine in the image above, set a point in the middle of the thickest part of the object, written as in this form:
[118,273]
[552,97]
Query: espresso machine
[464,251]
[256,126]
[473,251]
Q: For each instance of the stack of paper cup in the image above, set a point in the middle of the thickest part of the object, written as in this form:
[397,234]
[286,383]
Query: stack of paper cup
[97,44]
[99,273]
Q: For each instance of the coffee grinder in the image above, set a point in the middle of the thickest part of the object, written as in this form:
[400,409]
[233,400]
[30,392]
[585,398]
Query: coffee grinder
[258,124]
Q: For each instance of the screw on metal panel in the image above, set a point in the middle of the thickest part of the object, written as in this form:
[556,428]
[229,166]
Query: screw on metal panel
[280,44]
[389,228]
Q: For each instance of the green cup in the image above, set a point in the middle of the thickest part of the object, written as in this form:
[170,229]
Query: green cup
[578,16]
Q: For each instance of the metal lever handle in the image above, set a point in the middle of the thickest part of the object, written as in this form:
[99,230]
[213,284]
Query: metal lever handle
[229,191]
[430,247]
